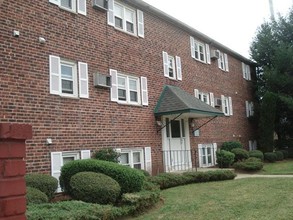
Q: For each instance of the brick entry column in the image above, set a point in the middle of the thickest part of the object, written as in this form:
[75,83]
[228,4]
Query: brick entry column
[12,170]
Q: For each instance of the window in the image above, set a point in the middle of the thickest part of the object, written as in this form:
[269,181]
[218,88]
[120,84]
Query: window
[76,6]
[252,145]
[125,18]
[58,159]
[249,108]
[128,89]
[207,154]
[65,79]
[207,98]
[200,51]
[246,71]
[226,105]
[132,158]
[172,66]
[223,62]
[204,97]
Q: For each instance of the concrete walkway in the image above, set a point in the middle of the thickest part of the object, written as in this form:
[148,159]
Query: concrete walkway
[245,175]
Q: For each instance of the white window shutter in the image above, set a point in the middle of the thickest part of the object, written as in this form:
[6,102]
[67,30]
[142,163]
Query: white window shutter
[55,72]
[166,64]
[179,69]
[250,144]
[114,87]
[223,103]
[208,54]
[212,99]
[254,145]
[56,2]
[196,93]
[226,62]
[244,70]
[148,159]
[85,154]
[110,13]
[144,91]
[219,62]
[140,21]
[230,106]
[56,164]
[215,146]
[251,109]
[247,108]
[192,47]
[199,155]
[83,80]
[248,73]
[81,7]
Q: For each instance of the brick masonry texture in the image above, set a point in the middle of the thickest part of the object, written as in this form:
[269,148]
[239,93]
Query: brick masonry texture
[75,124]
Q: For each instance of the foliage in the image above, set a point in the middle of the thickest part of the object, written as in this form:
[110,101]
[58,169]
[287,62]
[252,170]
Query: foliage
[108,154]
[168,180]
[285,153]
[129,179]
[270,157]
[94,187]
[280,155]
[250,164]
[257,154]
[43,182]
[224,158]
[240,154]
[35,196]
[229,145]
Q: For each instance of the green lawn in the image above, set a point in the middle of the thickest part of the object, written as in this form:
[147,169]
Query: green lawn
[278,168]
[251,198]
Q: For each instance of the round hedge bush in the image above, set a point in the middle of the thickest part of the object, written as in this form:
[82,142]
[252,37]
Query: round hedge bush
[270,157]
[240,154]
[225,158]
[94,188]
[129,179]
[280,155]
[285,153]
[35,196]
[256,153]
[229,145]
[250,164]
[43,182]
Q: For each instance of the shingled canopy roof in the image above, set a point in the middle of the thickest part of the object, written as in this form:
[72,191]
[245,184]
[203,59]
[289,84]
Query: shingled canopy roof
[174,100]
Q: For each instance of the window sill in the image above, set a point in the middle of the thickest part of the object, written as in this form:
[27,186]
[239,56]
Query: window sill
[204,62]
[129,104]
[126,32]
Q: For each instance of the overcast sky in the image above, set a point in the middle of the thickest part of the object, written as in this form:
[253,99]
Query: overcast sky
[230,22]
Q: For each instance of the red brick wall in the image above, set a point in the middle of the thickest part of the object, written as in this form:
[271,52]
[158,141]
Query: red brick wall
[12,170]
[92,123]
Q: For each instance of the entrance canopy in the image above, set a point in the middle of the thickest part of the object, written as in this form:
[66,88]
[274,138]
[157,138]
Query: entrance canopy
[174,100]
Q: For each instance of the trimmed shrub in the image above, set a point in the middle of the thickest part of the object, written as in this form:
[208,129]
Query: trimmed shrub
[229,145]
[240,154]
[257,154]
[280,155]
[225,158]
[129,179]
[107,154]
[35,196]
[219,175]
[94,188]
[43,182]
[270,157]
[285,153]
[168,180]
[250,164]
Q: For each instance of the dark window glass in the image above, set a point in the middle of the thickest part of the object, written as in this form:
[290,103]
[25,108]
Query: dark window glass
[175,129]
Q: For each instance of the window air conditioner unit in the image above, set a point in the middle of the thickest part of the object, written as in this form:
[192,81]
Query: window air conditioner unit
[101,80]
[100,4]
[215,54]
[218,102]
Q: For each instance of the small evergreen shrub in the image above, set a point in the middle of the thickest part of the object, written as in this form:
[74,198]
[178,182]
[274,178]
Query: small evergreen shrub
[107,154]
[225,158]
[43,182]
[240,154]
[144,172]
[35,196]
[270,157]
[94,188]
[168,180]
[250,164]
[285,153]
[219,175]
[229,145]
[257,154]
[280,155]
[129,179]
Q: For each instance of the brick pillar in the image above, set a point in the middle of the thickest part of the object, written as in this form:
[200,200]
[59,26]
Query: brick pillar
[12,170]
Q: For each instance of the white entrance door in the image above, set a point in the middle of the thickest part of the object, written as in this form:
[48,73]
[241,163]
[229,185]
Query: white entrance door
[176,149]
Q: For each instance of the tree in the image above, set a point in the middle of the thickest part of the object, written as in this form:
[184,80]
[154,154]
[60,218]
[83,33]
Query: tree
[272,49]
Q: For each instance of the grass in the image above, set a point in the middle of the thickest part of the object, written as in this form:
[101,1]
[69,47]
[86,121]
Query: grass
[251,198]
[278,168]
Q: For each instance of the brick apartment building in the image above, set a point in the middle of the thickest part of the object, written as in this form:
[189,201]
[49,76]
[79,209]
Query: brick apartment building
[96,74]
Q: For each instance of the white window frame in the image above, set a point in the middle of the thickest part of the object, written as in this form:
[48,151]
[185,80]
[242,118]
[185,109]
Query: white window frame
[124,19]
[73,3]
[246,71]
[73,65]
[128,90]
[252,145]
[195,51]
[78,6]
[204,96]
[223,62]
[227,107]
[171,61]
[212,155]
[130,152]
[249,109]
